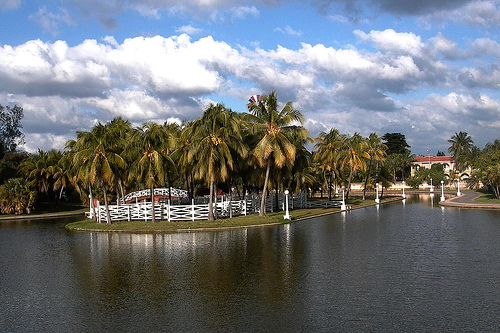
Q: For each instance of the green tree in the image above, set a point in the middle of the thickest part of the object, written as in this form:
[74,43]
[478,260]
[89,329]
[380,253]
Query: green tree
[10,124]
[274,129]
[377,152]
[213,137]
[461,148]
[16,197]
[354,156]
[96,160]
[40,168]
[152,163]
[396,144]
[327,152]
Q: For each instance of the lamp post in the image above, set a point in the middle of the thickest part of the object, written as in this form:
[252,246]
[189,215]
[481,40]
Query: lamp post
[432,188]
[404,195]
[342,206]
[287,215]
[458,188]
[442,190]
[377,200]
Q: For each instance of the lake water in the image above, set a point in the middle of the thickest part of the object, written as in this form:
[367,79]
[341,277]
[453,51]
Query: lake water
[400,267]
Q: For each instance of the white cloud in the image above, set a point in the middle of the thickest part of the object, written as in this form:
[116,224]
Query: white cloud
[188,29]
[289,31]
[390,40]
[484,13]
[67,88]
[50,21]
[9,4]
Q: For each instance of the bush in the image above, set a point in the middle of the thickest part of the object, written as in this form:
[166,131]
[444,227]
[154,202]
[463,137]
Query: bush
[414,182]
[16,197]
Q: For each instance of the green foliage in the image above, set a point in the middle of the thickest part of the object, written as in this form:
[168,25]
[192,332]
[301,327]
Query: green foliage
[396,144]
[461,147]
[10,124]
[414,182]
[16,197]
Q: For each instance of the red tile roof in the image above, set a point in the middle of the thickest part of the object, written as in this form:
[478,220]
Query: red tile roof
[434,159]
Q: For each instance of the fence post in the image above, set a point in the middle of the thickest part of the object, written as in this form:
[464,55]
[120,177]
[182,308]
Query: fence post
[128,213]
[192,209]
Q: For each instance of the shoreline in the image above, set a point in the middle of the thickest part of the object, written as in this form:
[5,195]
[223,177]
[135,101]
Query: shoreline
[466,200]
[206,229]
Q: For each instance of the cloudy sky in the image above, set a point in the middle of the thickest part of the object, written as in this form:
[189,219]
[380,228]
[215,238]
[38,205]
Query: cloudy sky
[427,69]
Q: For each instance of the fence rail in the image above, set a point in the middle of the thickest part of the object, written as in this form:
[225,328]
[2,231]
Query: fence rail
[142,211]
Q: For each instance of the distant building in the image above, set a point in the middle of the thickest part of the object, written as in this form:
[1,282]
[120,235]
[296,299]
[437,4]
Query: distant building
[448,163]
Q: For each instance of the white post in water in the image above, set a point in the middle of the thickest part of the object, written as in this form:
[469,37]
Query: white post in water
[432,188]
[377,200]
[404,195]
[287,215]
[442,190]
[458,187]
[343,207]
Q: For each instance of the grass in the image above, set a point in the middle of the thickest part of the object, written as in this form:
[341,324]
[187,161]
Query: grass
[487,197]
[239,221]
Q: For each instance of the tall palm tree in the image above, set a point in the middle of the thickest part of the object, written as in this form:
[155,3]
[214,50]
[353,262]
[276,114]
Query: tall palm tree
[96,161]
[213,137]
[461,146]
[376,150]
[327,152]
[120,133]
[354,157]
[152,164]
[274,129]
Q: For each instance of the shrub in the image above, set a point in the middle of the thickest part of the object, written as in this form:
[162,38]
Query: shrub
[16,197]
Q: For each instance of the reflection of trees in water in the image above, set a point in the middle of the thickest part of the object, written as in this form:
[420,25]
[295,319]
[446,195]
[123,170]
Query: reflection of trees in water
[210,271]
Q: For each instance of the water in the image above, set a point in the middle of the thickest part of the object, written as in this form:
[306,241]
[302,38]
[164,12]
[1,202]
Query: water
[401,267]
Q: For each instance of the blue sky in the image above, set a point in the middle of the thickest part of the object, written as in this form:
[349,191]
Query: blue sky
[427,69]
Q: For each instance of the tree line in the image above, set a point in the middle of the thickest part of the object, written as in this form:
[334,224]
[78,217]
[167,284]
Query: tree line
[264,150]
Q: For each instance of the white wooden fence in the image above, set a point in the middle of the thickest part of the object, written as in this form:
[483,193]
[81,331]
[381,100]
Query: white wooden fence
[142,211]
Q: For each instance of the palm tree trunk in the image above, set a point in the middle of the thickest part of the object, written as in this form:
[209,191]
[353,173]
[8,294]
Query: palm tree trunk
[329,183]
[276,197]
[349,184]
[120,183]
[169,187]
[366,179]
[94,216]
[211,202]
[108,216]
[153,215]
[61,192]
[264,193]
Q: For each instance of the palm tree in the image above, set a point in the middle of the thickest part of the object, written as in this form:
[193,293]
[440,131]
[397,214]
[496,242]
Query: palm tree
[327,152]
[40,168]
[376,149]
[213,137]
[63,173]
[96,161]
[461,146]
[152,164]
[120,132]
[274,131]
[354,156]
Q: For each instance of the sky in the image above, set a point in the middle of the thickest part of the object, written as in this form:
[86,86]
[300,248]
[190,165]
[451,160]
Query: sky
[427,69]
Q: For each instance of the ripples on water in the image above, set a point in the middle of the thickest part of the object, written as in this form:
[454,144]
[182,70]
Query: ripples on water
[399,267]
